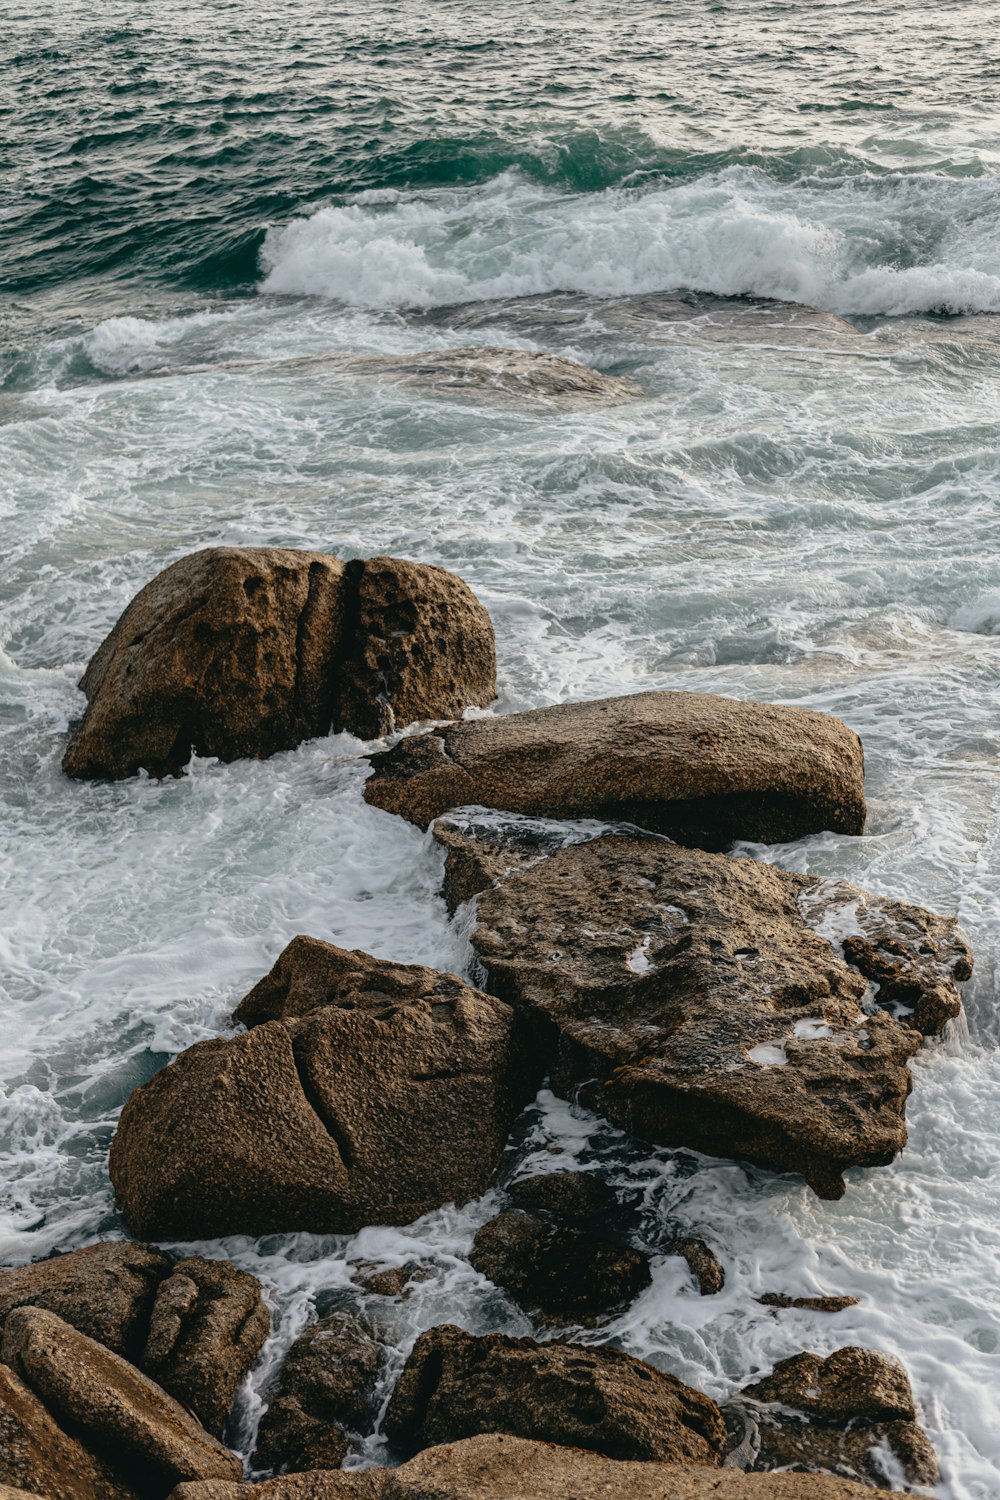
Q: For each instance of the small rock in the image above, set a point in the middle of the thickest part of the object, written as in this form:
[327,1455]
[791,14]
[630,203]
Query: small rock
[705,1264]
[455,1385]
[106,1291]
[813,1304]
[558,1273]
[388,1281]
[327,1384]
[574,1196]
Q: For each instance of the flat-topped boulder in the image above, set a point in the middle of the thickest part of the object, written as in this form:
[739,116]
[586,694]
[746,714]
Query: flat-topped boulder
[455,1385]
[692,999]
[245,651]
[702,770]
[370,1109]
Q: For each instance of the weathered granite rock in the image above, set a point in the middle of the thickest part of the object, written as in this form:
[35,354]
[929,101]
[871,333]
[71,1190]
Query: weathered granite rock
[208,1325]
[389,1281]
[327,1385]
[851,1414]
[558,1273]
[455,1385]
[318,1484]
[812,1304]
[36,1453]
[245,651]
[123,1417]
[701,769]
[106,1291]
[358,1113]
[706,1268]
[577,1197]
[691,999]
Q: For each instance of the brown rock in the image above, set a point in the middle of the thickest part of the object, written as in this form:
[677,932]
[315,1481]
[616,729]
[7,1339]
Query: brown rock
[706,1267]
[244,651]
[527,375]
[418,645]
[558,1273]
[363,1112]
[327,1385]
[701,769]
[691,999]
[575,1196]
[389,1281]
[121,1414]
[36,1452]
[319,1484]
[455,1385]
[812,1304]
[208,1325]
[838,1415]
[106,1291]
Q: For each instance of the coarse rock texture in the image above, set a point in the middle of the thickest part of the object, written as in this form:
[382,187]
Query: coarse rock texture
[106,1291]
[208,1325]
[577,1197]
[326,1387]
[370,1111]
[690,999]
[852,1413]
[36,1454]
[389,1281]
[245,651]
[555,1272]
[499,1467]
[455,1385]
[122,1416]
[811,1304]
[706,1268]
[700,769]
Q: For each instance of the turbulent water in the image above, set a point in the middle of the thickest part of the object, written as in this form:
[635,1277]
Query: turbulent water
[803,508]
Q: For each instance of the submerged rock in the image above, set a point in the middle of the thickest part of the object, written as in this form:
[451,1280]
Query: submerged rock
[850,1414]
[532,375]
[558,1273]
[455,1385]
[706,1268]
[106,1291]
[245,651]
[691,1000]
[367,1110]
[700,769]
[326,1386]
[811,1304]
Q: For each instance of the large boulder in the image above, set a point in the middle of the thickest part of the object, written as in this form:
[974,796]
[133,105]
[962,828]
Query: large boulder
[700,769]
[207,1326]
[326,1390]
[455,1385]
[123,1418]
[36,1454]
[366,1110]
[691,998]
[106,1291]
[558,1273]
[852,1413]
[244,651]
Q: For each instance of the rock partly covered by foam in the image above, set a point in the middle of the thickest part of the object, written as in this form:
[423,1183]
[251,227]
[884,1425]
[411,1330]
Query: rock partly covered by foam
[373,1108]
[326,1389]
[455,1385]
[126,1422]
[556,1272]
[852,1413]
[701,769]
[524,374]
[244,651]
[704,1264]
[690,997]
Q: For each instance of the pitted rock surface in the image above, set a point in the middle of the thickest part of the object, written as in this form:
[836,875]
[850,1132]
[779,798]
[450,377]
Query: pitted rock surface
[558,1273]
[702,770]
[106,1291]
[326,1389]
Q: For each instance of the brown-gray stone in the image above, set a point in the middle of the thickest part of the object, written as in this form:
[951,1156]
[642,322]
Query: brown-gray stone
[690,997]
[577,1197]
[36,1454]
[326,1388]
[455,1385]
[363,1112]
[558,1273]
[106,1291]
[208,1325]
[701,769]
[811,1304]
[706,1268]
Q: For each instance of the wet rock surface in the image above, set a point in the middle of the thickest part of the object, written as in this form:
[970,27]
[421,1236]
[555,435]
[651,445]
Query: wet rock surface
[455,1385]
[706,1268]
[852,1413]
[325,1390]
[690,998]
[556,1272]
[106,1291]
[703,770]
[811,1304]
[577,1197]
[367,1112]
[245,651]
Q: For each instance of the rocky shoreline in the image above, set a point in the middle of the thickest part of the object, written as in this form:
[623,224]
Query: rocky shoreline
[693,997]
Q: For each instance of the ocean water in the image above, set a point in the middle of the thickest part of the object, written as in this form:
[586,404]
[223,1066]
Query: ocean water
[802,507]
